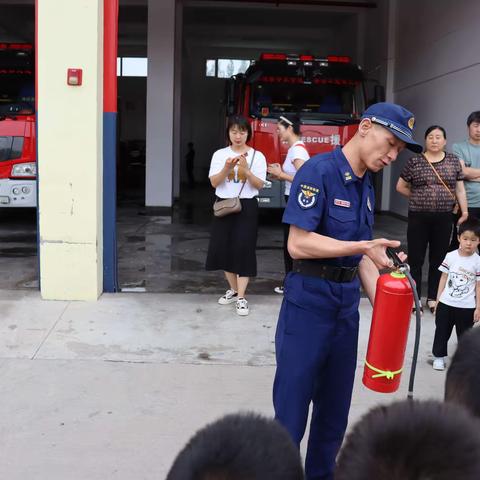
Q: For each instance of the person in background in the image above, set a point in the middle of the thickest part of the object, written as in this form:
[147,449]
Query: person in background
[469,153]
[234,169]
[458,298]
[288,130]
[412,440]
[432,181]
[462,385]
[242,446]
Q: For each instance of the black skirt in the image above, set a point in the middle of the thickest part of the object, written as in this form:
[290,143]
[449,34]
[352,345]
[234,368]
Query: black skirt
[233,241]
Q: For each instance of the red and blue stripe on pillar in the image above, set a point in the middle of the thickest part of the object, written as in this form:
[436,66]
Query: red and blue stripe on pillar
[110,48]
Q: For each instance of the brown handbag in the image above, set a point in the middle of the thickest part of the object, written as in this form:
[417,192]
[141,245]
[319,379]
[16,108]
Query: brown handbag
[227,206]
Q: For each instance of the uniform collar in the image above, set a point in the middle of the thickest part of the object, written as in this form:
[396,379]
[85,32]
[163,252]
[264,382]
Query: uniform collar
[344,167]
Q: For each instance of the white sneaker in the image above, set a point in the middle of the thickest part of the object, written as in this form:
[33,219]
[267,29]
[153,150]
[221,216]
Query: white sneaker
[438,363]
[242,307]
[278,290]
[229,297]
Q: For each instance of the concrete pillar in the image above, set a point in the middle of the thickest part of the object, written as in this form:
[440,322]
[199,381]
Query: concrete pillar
[70,148]
[387,184]
[160,103]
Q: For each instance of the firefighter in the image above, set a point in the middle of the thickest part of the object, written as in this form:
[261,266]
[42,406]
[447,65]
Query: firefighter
[330,212]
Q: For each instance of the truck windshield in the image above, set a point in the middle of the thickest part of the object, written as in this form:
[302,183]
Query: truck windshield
[315,100]
[10,148]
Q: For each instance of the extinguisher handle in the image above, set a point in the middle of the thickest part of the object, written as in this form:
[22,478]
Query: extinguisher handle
[392,254]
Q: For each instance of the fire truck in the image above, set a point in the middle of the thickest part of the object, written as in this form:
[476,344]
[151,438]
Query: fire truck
[327,94]
[18,168]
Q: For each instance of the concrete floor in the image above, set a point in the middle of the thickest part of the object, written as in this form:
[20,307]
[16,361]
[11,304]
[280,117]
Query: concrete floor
[112,390]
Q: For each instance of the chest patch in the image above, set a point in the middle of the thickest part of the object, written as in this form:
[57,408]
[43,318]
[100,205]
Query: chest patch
[341,203]
[307,195]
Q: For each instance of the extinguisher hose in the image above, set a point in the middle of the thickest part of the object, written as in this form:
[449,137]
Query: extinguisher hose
[405,269]
[416,346]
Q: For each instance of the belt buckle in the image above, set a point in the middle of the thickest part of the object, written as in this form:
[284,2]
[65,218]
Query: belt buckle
[345,274]
[339,274]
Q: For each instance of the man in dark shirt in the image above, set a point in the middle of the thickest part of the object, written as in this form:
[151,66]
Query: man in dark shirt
[330,212]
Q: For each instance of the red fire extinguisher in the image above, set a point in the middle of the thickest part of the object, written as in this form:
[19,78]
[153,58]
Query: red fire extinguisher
[388,332]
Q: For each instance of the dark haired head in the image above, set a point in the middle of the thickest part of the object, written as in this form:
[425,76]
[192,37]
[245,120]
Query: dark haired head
[412,440]
[242,123]
[239,447]
[435,127]
[290,121]
[462,385]
[473,117]
[470,225]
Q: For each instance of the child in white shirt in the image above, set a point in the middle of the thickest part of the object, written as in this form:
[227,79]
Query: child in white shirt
[458,297]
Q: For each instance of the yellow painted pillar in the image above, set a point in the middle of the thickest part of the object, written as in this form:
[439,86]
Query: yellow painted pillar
[70,35]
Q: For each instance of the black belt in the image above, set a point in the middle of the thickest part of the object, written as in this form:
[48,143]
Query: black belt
[315,268]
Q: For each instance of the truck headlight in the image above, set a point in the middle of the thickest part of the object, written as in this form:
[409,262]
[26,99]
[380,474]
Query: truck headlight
[24,170]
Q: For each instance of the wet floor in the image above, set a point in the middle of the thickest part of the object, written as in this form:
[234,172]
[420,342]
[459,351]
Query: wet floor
[158,252]
[167,253]
[18,248]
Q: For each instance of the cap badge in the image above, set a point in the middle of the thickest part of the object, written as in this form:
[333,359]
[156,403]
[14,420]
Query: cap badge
[411,123]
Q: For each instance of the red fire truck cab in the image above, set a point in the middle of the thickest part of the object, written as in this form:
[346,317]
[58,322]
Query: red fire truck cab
[18,168]
[327,94]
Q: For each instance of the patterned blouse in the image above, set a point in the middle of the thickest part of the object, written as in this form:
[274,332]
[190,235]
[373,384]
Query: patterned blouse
[428,194]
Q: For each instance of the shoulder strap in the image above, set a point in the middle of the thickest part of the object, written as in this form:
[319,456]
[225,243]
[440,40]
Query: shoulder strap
[301,144]
[251,163]
[440,178]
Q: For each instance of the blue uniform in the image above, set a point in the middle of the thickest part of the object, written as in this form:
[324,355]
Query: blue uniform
[317,331]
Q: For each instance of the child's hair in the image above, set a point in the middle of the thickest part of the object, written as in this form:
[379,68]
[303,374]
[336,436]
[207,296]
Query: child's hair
[239,447]
[470,225]
[462,385]
[409,440]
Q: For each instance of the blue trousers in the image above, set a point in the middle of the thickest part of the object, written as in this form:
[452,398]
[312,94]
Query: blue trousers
[316,351]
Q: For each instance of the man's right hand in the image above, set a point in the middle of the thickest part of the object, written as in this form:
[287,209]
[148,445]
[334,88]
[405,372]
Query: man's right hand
[376,251]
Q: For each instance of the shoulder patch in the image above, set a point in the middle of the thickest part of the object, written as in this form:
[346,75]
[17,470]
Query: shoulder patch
[307,195]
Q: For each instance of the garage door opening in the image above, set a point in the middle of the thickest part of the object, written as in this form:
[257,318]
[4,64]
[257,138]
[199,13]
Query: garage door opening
[165,251]
[18,187]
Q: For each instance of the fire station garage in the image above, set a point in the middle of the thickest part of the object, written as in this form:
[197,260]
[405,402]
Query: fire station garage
[122,202]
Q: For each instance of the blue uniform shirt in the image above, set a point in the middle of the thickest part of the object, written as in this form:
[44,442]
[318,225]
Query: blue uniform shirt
[329,199]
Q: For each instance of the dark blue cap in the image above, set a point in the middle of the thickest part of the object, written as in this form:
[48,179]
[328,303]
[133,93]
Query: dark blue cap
[396,119]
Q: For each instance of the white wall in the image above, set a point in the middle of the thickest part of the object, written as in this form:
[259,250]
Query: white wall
[437,68]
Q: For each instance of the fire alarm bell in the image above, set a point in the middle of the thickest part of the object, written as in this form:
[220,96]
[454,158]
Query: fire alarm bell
[74,76]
